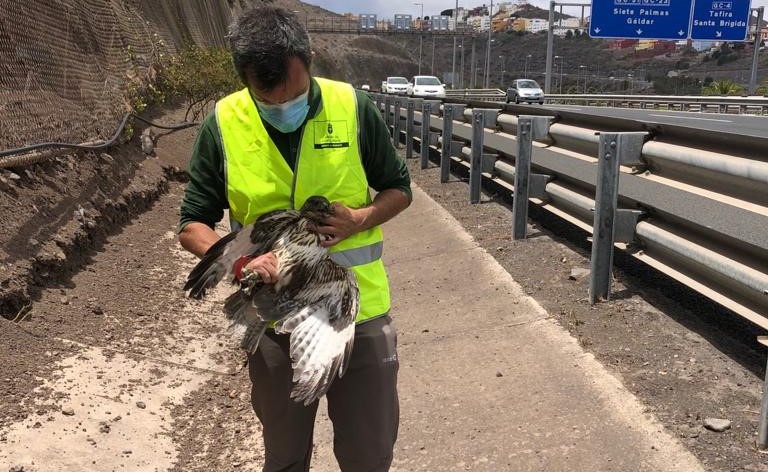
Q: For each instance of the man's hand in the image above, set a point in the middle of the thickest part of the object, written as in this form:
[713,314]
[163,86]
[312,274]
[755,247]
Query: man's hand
[265,266]
[344,223]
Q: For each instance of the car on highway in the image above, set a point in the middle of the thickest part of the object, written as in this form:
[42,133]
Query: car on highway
[398,85]
[525,90]
[426,86]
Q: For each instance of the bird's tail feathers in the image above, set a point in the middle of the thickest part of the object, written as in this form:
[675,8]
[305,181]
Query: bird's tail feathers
[252,336]
[238,310]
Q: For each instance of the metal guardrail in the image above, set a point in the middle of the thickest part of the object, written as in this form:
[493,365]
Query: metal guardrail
[491,95]
[712,196]
[713,104]
[705,104]
[695,209]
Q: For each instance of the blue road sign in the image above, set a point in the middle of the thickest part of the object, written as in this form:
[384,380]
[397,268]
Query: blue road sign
[640,19]
[720,20]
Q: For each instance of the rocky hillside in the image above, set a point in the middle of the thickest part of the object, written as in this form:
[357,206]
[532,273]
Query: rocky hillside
[368,59]
[354,58]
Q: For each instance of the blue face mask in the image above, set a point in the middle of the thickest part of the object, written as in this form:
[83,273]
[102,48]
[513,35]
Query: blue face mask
[286,117]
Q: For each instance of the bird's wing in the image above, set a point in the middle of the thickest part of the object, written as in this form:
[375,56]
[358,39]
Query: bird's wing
[253,240]
[322,330]
[318,350]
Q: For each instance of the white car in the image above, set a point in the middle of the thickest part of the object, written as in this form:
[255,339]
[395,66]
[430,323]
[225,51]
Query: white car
[397,85]
[426,86]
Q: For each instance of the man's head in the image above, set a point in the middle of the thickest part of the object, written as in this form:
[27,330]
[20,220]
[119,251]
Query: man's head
[271,52]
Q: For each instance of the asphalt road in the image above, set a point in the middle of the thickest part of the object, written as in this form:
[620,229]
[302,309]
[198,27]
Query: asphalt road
[740,124]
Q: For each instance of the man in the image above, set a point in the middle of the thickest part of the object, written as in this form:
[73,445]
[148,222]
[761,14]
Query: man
[283,138]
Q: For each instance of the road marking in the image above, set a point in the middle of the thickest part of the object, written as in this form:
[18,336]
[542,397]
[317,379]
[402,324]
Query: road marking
[691,118]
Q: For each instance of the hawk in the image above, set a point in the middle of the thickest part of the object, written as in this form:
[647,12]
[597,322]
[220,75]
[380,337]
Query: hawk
[314,299]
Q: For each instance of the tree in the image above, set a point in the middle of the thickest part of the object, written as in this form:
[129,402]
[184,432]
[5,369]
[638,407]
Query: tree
[763,88]
[723,87]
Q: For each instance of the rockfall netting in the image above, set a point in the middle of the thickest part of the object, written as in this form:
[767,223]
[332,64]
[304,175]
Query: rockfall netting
[69,68]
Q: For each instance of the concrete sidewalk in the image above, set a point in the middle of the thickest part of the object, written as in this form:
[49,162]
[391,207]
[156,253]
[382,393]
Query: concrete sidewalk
[488,382]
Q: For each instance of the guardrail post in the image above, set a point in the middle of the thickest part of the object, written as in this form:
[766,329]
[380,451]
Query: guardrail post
[409,107]
[380,103]
[481,117]
[396,118]
[426,113]
[614,149]
[528,128]
[387,116]
[762,429]
[449,111]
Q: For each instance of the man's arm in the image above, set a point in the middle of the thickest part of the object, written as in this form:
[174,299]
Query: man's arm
[347,221]
[386,173]
[204,195]
[197,238]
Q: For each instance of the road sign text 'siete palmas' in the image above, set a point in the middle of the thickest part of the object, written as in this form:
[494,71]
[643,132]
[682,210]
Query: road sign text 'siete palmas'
[724,20]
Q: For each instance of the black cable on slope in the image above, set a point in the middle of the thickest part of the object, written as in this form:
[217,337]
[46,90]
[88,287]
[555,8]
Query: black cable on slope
[96,145]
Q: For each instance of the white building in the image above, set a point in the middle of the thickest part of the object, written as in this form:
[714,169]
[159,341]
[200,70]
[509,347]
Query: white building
[479,23]
[565,25]
[534,25]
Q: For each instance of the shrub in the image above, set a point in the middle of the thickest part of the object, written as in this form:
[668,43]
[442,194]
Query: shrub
[723,87]
[199,77]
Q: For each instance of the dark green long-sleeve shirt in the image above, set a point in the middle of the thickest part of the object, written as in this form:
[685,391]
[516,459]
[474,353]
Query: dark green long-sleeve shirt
[205,196]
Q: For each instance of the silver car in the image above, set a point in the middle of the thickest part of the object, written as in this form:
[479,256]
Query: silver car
[525,90]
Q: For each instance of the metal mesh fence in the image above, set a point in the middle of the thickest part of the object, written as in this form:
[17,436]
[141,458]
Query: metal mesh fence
[68,67]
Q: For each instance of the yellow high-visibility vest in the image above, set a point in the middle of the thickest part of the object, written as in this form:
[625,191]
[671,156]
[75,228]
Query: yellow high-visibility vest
[259,180]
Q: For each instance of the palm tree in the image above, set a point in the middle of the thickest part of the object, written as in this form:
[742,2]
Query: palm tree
[723,87]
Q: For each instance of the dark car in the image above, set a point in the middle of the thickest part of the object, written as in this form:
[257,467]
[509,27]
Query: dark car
[525,90]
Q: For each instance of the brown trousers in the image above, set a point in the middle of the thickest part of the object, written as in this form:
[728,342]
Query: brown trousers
[363,405]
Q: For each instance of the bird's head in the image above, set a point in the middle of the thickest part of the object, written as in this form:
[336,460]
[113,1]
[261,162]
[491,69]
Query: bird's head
[316,208]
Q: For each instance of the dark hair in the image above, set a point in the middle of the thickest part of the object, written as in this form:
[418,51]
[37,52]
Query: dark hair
[262,40]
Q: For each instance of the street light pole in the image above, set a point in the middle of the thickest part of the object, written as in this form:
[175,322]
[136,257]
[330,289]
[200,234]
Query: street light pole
[526,65]
[461,46]
[583,68]
[421,32]
[488,49]
[472,62]
[501,69]
[433,54]
[455,28]
[561,74]
[756,49]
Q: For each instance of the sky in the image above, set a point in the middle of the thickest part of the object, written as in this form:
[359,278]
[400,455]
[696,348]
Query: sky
[387,8]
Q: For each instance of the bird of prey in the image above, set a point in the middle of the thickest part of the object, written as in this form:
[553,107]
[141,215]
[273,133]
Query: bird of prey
[314,299]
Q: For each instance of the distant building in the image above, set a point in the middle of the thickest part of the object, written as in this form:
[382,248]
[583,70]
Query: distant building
[622,44]
[367,21]
[518,24]
[402,22]
[439,23]
[479,23]
[507,6]
[534,25]
[644,44]
[565,25]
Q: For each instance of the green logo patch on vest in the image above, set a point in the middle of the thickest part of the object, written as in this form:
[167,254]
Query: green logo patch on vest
[330,134]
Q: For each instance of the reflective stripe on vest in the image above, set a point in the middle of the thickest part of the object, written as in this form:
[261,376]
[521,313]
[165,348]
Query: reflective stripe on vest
[358,256]
[259,180]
